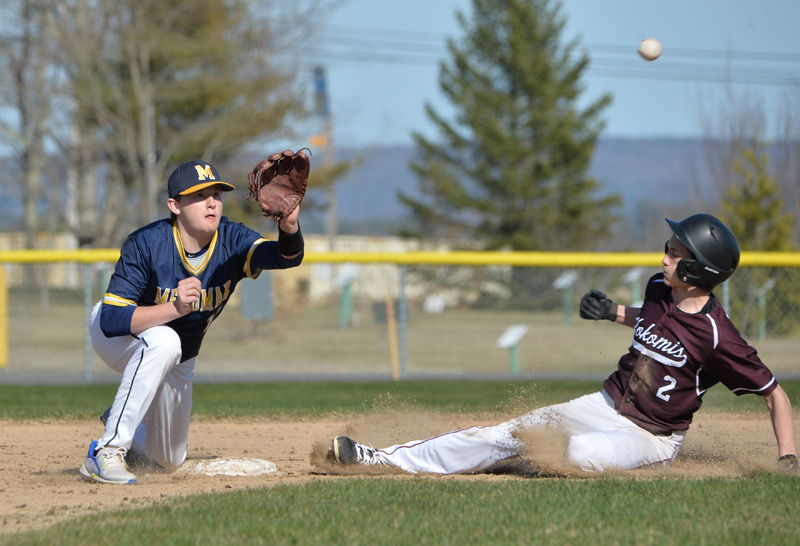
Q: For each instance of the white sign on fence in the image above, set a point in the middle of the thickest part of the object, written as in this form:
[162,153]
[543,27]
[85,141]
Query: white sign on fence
[511,336]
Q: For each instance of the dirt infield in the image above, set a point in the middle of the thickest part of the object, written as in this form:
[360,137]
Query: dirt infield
[40,484]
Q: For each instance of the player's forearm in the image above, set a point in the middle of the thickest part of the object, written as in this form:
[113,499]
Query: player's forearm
[145,317]
[287,252]
[780,412]
[627,315]
[291,243]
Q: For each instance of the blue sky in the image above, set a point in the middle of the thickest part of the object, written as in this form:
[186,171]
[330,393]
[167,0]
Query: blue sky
[381,61]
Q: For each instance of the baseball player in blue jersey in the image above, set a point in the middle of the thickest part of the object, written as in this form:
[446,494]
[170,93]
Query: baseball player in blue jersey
[173,278]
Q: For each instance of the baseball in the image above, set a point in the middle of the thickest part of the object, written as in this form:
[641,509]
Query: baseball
[650,49]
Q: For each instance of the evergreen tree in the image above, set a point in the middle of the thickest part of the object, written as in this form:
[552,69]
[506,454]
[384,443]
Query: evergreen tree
[753,207]
[753,210]
[511,170]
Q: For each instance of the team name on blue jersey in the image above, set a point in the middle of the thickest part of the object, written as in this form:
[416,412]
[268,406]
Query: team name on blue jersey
[211,298]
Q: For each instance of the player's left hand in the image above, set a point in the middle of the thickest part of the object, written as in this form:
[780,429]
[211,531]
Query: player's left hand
[596,306]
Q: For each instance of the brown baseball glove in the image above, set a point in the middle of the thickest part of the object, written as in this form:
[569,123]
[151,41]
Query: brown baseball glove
[278,184]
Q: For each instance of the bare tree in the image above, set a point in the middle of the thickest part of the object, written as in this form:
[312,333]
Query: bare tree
[108,50]
[155,82]
[730,123]
[735,124]
[127,89]
[787,154]
[25,88]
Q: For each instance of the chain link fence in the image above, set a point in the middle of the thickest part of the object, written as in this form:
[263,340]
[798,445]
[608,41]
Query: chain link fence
[384,320]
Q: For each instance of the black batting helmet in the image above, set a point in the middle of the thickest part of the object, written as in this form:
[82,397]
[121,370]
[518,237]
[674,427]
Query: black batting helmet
[715,250]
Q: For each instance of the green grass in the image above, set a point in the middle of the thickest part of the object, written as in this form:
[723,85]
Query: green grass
[312,399]
[645,509]
[298,399]
[416,511]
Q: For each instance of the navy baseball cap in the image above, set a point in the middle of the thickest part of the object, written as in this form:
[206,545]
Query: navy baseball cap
[193,176]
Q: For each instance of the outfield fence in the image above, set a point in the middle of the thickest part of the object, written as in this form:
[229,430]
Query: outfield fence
[377,315]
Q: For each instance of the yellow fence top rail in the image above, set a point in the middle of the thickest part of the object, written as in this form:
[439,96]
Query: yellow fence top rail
[476,258]
[50,256]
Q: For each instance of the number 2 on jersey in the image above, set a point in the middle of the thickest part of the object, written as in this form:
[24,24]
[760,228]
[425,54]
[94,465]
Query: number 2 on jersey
[671,382]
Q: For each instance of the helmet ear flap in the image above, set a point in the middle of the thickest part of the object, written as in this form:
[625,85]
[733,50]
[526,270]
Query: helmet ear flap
[690,271]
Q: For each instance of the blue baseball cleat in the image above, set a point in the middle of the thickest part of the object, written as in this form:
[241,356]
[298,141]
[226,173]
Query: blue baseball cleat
[106,465]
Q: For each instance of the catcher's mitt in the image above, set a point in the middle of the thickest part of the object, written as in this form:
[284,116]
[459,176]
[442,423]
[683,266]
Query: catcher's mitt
[278,184]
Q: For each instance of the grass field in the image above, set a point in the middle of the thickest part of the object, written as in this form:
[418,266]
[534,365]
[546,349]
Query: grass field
[293,399]
[761,508]
[607,510]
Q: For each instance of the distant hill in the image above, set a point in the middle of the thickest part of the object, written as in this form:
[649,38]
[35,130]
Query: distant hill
[648,170]
[648,173]
[640,170]
[369,191]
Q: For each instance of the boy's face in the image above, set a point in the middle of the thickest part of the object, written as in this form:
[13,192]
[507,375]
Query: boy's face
[676,251]
[200,212]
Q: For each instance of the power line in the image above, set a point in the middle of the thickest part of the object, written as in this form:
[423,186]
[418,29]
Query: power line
[712,77]
[692,72]
[372,43]
[385,46]
[600,67]
[380,57]
[438,40]
[760,56]
[433,37]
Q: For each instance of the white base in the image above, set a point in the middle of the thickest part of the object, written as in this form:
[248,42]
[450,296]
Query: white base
[231,467]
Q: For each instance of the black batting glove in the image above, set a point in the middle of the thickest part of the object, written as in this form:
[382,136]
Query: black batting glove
[789,463]
[596,306]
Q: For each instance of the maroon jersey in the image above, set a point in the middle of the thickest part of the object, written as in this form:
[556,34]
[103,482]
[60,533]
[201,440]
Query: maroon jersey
[676,357]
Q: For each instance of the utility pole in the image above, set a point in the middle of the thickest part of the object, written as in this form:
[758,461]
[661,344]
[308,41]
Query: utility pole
[150,160]
[326,143]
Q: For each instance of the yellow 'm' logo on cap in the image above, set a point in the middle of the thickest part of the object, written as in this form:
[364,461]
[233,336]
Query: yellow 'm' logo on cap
[204,172]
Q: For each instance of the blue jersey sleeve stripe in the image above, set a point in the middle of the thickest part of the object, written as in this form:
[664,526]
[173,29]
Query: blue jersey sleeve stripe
[112,299]
[247,269]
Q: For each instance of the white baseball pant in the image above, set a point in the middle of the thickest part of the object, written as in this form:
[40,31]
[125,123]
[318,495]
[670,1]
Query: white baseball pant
[153,405]
[599,439]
